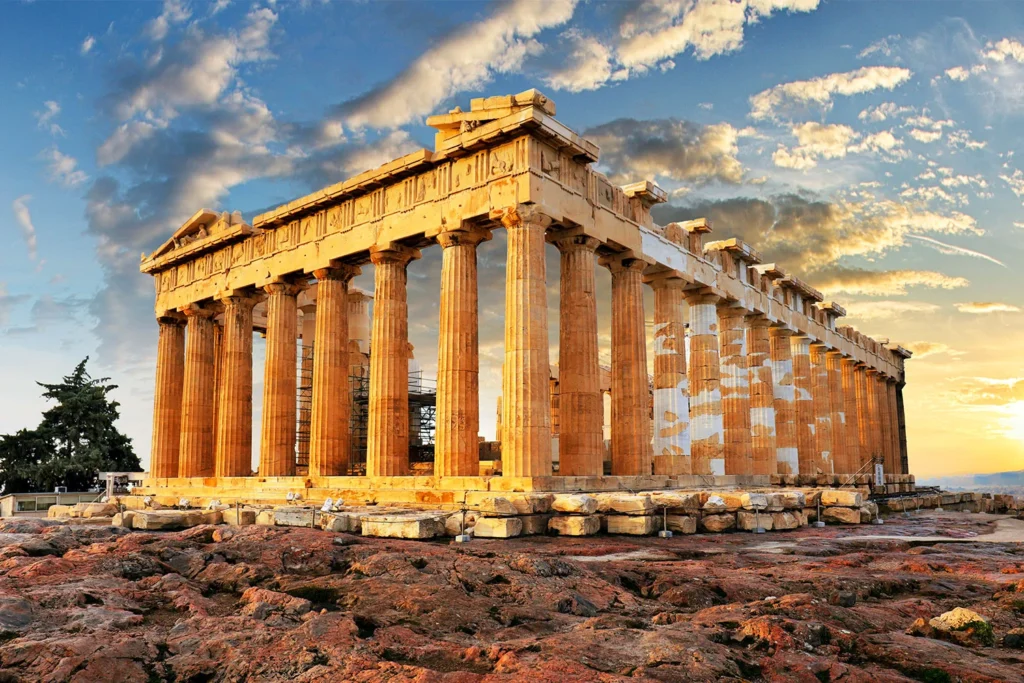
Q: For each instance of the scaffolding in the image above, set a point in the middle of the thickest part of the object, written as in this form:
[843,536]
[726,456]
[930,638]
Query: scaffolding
[305,405]
[422,420]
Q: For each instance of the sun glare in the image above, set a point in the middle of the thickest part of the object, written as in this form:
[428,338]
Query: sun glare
[1013,421]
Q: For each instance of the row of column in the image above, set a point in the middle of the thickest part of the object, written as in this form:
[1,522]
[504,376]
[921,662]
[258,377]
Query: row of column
[756,399]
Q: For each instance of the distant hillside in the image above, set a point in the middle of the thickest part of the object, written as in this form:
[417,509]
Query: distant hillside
[977,481]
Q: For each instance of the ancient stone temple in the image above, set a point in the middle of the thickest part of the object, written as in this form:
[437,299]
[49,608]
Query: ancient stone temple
[754,379]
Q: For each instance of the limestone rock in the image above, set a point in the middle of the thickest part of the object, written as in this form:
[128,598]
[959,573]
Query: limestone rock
[240,516]
[498,527]
[265,518]
[455,525]
[786,520]
[840,515]
[868,512]
[87,510]
[531,503]
[715,503]
[340,522]
[748,521]
[295,515]
[534,525]
[416,526]
[123,519]
[682,524]
[678,502]
[633,525]
[718,523]
[574,503]
[842,498]
[260,603]
[58,511]
[964,626]
[575,525]
[158,520]
[496,506]
[624,503]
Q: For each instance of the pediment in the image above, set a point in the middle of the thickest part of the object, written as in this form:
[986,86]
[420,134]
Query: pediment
[203,231]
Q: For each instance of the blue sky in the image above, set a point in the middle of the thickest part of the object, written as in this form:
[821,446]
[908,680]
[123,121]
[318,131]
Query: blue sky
[872,147]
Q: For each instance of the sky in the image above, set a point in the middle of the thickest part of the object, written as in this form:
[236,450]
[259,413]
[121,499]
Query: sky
[872,149]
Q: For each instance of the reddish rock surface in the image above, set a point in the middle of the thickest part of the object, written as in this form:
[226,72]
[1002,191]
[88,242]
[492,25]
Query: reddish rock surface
[270,604]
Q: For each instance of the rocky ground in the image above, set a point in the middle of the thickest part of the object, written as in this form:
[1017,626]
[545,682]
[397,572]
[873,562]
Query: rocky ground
[82,603]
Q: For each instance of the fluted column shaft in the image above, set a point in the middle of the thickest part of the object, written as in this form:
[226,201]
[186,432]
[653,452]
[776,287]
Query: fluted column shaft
[331,400]
[706,429]
[170,372]
[822,409]
[307,333]
[234,414]
[874,415]
[837,423]
[196,450]
[671,446]
[387,452]
[848,367]
[631,447]
[218,372]
[885,424]
[803,384]
[864,433]
[277,443]
[735,387]
[787,460]
[894,428]
[581,407]
[457,449]
[762,396]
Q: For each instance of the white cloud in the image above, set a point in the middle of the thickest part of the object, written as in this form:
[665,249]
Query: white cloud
[832,141]
[885,46]
[64,168]
[819,91]
[885,283]
[958,73]
[465,60]
[953,250]
[887,310]
[923,349]
[87,45]
[925,136]
[981,307]
[883,112]
[587,66]
[122,140]
[1018,224]
[1005,49]
[45,118]
[24,219]
[1015,180]
[174,12]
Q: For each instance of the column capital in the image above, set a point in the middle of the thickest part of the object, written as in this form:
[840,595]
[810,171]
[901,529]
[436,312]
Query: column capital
[287,288]
[340,271]
[818,342]
[171,318]
[703,295]
[241,297]
[731,309]
[197,311]
[758,320]
[849,361]
[392,252]
[574,241]
[468,235]
[623,261]
[780,331]
[872,371]
[522,214]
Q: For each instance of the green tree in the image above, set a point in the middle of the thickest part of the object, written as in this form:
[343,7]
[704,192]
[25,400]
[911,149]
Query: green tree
[75,441]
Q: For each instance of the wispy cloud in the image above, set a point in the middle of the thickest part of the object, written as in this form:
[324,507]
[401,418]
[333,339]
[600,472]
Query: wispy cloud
[24,218]
[887,310]
[982,307]
[45,118]
[953,250]
[819,92]
[64,168]
[87,45]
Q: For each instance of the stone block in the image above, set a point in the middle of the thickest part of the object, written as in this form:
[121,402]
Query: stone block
[240,517]
[812,498]
[793,500]
[668,465]
[498,527]
[753,501]
[416,526]
[60,511]
[776,502]
[747,520]
[212,516]
[840,515]
[575,525]
[574,503]
[714,504]
[295,515]
[496,506]
[718,523]
[783,521]
[534,525]
[682,524]
[868,511]
[455,526]
[123,519]
[809,515]
[340,522]
[531,503]
[633,525]
[265,518]
[842,498]
[161,520]
[625,503]
[677,502]
[87,510]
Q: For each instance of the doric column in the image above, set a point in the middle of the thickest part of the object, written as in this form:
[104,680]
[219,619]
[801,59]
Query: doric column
[848,368]
[735,387]
[234,413]
[894,429]
[631,446]
[671,445]
[822,409]
[762,395]
[170,371]
[837,422]
[387,452]
[787,460]
[581,408]
[196,454]
[874,417]
[864,434]
[885,424]
[331,399]
[457,448]
[277,443]
[803,385]
[901,426]
[218,371]
[526,410]
[307,333]
[706,443]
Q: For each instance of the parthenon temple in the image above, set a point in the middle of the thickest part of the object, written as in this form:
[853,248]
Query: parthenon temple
[755,380]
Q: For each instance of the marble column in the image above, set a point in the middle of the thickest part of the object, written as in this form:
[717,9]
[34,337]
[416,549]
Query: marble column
[706,428]
[762,395]
[901,423]
[581,407]
[631,446]
[671,446]
[277,443]
[457,445]
[885,424]
[787,460]
[803,385]
[234,414]
[840,463]
[735,387]
[218,372]
[331,399]
[196,450]
[387,453]
[822,409]
[307,333]
[864,434]
[526,410]
[170,373]
[849,388]
[894,428]
[874,417]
